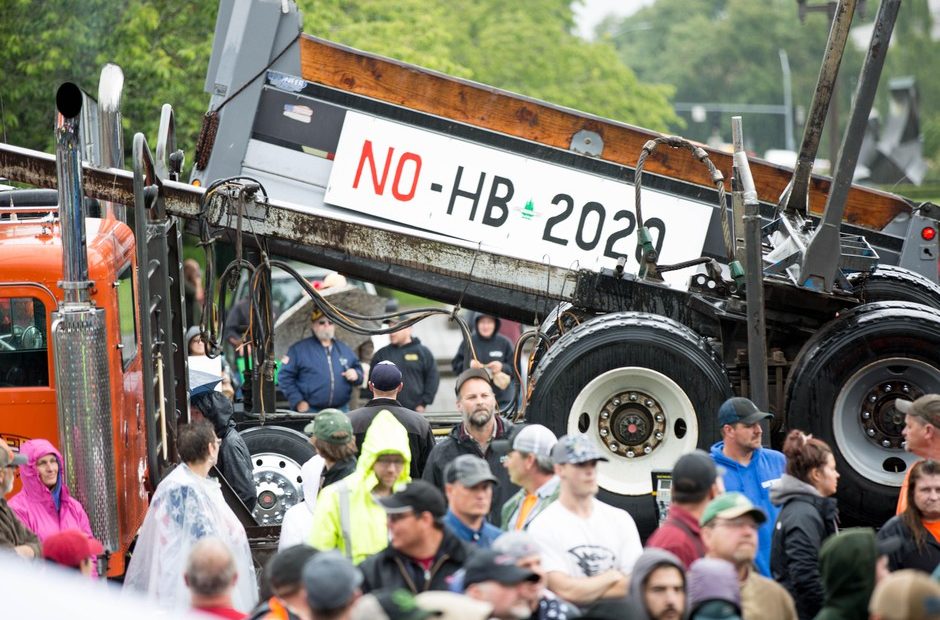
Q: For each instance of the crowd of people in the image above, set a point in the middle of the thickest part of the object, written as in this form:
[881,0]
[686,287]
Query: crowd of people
[503,520]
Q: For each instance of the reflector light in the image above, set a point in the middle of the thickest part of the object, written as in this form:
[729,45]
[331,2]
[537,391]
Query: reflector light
[928,233]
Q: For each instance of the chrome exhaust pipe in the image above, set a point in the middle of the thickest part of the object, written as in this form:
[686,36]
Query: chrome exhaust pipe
[80,343]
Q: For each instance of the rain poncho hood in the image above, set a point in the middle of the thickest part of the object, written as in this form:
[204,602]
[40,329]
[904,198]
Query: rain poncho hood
[368,529]
[847,565]
[185,508]
[46,511]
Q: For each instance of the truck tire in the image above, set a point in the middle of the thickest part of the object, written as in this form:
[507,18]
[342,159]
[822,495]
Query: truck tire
[277,454]
[644,388]
[563,318]
[893,283]
[842,389]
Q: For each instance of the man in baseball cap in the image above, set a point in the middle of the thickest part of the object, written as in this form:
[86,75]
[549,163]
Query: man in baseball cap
[72,549]
[331,434]
[469,489]
[12,531]
[386,382]
[422,554]
[495,578]
[589,546]
[695,482]
[749,468]
[921,433]
[528,459]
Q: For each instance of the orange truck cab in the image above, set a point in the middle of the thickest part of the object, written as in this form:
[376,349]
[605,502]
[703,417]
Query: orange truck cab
[31,267]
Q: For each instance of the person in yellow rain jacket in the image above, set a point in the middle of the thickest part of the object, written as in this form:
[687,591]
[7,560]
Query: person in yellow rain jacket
[347,516]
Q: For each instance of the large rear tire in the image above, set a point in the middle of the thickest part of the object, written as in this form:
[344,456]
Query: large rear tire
[277,454]
[842,389]
[893,283]
[643,387]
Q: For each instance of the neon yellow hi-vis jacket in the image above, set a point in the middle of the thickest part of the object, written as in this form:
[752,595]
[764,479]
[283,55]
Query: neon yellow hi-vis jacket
[350,499]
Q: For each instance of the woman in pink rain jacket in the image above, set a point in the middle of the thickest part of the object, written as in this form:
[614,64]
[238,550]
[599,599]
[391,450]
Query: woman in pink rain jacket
[44,504]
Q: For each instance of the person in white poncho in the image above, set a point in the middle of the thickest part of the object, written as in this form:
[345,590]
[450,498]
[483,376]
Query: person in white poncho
[186,507]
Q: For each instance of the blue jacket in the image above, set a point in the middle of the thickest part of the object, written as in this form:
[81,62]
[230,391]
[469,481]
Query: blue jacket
[482,538]
[754,482]
[314,373]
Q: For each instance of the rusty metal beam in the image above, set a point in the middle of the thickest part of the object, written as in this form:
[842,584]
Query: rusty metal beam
[434,266]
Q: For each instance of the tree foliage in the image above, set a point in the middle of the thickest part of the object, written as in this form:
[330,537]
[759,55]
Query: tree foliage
[164,46]
[727,51]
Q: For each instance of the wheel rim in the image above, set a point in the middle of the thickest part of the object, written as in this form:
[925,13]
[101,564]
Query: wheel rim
[641,419]
[866,425]
[277,482]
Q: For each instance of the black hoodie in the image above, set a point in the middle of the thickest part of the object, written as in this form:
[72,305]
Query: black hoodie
[234,457]
[496,348]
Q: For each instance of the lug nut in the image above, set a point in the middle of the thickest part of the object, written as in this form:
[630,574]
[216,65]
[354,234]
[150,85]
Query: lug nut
[871,432]
[630,454]
[659,418]
[866,415]
[615,402]
[647,450]
[658,435]
[886,443]
[613,446]
[605,415]
[633,397]
[648,402]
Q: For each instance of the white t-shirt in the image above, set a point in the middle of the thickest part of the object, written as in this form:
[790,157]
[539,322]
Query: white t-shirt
[582,547]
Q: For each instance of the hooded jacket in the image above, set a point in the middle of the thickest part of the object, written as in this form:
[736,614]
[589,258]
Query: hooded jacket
[234,458]
[712,579]
[298,520]
[806,519]
[418,372]
[420,435]
[649,561]
[368,529]
[314,373]
[35,504]
[460,442]
[495,348]
[754,481]
[847,565]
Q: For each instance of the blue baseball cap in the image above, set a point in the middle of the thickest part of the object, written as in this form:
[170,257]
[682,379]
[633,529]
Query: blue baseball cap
[741,410]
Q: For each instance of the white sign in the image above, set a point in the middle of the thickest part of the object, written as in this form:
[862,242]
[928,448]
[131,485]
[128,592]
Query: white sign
[507,203]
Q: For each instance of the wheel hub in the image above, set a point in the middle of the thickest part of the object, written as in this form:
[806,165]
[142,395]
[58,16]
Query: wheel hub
[881,421]
[631,423]
[276,481]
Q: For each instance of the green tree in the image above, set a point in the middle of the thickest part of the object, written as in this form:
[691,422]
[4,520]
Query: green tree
[727,51]
[527,48]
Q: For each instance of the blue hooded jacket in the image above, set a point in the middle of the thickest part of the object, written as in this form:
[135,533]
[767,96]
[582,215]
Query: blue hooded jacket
[754,481]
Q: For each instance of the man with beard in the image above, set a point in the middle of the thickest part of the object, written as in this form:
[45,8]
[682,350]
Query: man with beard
[658,585]
[474,435]
[13,534]
[319,371]
[729,531]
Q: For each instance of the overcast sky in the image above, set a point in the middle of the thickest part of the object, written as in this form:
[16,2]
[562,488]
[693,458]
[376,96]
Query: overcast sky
[591,12]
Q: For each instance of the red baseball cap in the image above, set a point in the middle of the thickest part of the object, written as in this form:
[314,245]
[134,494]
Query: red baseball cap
[70,547]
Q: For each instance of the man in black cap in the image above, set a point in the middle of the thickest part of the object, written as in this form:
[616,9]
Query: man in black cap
[480,426]
[422,553]
[749,468]
[695,482]
[386,384]
[495,578]
[469,489]
[417,365]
